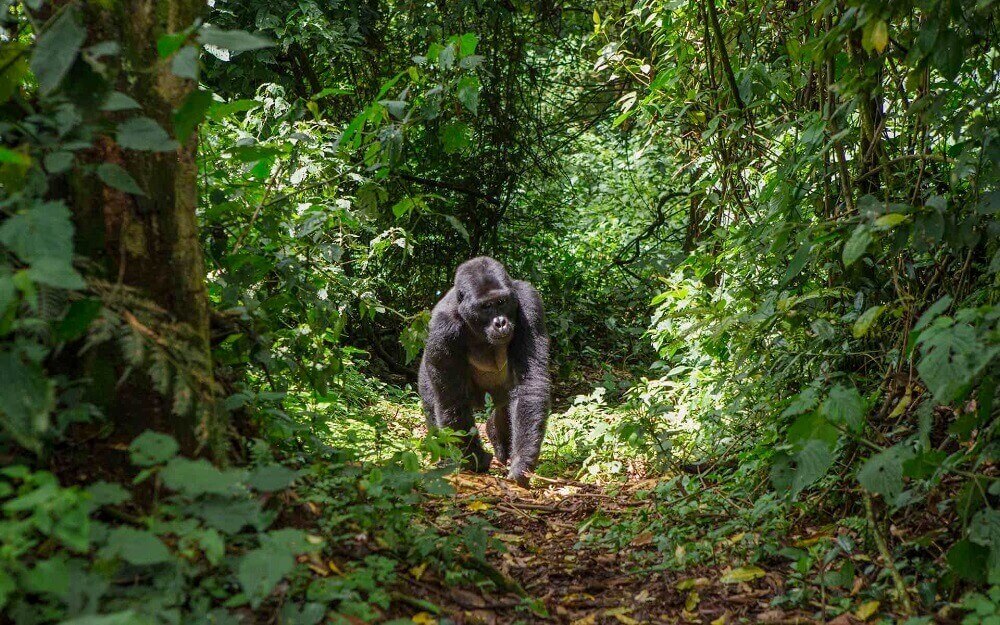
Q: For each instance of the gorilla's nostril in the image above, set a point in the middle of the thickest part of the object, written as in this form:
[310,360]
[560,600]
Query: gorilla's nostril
[500,323]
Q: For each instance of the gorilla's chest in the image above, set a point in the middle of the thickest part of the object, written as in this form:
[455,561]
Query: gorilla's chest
[490,371]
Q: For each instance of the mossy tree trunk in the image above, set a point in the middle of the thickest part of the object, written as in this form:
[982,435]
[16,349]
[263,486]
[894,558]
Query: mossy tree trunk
[148,245]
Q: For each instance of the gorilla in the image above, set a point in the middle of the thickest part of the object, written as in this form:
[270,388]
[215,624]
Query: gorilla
[487,335]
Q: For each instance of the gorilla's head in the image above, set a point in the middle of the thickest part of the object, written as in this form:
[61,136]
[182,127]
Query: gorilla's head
[487,301]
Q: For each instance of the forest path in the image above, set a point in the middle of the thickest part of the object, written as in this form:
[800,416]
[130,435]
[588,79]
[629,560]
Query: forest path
[563,580]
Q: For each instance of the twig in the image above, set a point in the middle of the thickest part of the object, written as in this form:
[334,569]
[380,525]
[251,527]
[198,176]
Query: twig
[883,550]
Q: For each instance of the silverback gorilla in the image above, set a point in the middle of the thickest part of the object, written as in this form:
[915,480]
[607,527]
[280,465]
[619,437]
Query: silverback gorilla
[487,335]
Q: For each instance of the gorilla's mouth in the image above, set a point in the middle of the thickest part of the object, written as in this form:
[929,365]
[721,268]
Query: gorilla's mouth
[500,337]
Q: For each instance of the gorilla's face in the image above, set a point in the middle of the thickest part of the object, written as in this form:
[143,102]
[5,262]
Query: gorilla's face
[486,300]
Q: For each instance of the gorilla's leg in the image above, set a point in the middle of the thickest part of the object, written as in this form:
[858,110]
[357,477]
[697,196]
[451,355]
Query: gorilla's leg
[498,428]
[459,418]
[528,415]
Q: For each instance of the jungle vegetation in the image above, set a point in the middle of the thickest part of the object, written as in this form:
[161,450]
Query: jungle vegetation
[765,233]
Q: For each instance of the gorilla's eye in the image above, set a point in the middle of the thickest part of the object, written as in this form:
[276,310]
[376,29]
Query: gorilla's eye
[499,302]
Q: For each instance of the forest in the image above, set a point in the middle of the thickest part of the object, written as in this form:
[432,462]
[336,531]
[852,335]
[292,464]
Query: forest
[765,234]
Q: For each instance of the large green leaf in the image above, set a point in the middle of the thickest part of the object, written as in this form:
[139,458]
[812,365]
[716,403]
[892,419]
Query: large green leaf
[151,448]
[142,133]
[26,399]
[42,231]
[56,49]
[793,473]
[844,406]
[883,472]
[116,177]
[857,244]
[198,477]
[260,571]
[233,40]
[138,547]
[951,358]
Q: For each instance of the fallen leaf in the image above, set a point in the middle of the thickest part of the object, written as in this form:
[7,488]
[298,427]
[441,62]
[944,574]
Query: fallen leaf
[866,610]
[643,596]
[478,506]
[691,582]
[742,574]
[642,539]
[590,619]
[692,601]
[722,620]
[423,618]
[333,567]
[418,571]
[622,615]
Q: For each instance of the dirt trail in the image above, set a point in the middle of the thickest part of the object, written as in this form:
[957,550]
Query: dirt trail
[583,585]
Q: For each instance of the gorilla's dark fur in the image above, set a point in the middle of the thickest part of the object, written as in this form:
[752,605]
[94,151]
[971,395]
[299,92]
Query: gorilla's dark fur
[487,335]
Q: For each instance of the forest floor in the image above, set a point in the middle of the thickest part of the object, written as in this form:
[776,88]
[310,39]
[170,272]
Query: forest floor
[551,577]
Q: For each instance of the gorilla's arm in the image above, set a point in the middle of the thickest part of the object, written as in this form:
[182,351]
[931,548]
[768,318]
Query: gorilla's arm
[446,370]
[529,353]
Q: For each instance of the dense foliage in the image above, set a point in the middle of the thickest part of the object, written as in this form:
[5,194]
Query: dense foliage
[766,235]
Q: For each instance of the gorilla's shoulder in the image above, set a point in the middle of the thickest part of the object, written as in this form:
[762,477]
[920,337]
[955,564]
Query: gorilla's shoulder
[445,326]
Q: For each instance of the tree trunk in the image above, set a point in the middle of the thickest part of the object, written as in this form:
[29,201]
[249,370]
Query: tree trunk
[148,246]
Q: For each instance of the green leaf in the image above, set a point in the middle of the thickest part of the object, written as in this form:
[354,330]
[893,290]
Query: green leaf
[932,312]
[798,261]
[42,231]
[14,157]
[8,292]
[77,319]
[15,63]
[171,42]
[865,321]
[222,110]
[58,162]
[794,473]
[7,587]
[406,205]
[56,49]
[809,427]
[185,63]
[883,473]
[952,357]
[142,133]
[271,478]
[948,53]
[968,561]
[467,44]
[235,41]
[26,399]
[151,448]
[890,220]
[138,547]
[260,571]
[467,92]
[212,545]
[857,244]
[457,225]
[198,477]
[455,137]
[844,406]
[116,177]
[191,113]
[127,617]
[108,493]
[57,273]
[743,574]
[118,101]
